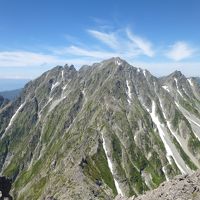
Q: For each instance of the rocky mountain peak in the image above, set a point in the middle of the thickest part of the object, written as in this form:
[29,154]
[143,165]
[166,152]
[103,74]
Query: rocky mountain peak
[177,73]
[69,68]
[106,129]
[115,61]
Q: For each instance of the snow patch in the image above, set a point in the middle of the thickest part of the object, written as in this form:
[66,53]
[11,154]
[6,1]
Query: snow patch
[166,88]
[194,122]
[173,133]
[178,88]
[166,141]
[49,100]
[117,61]
[83,91]
[144,72]
[149,155]
[84,94]
[55,103]
[62,75]
[186,92]
[54,85]
[180,93]
[65,86]
[147,179]
[190,82]
[169,125]
[129,92]
[176,82]
[135,137]
[191,121]
[196,135]
[165,172]
[110,165]
[13,117]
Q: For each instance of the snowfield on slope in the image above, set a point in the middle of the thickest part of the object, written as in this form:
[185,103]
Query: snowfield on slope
[110,165]
[169,146]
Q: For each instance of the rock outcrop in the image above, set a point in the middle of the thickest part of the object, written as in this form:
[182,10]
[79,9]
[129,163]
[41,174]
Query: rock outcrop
[182,187]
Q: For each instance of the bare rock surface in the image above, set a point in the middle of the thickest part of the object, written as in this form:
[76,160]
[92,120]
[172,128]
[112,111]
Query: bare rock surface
[182,187]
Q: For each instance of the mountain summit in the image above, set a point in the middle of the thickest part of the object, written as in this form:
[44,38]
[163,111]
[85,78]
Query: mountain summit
[104,130]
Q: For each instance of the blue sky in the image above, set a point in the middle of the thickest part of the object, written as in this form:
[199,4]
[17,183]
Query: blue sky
[159,35]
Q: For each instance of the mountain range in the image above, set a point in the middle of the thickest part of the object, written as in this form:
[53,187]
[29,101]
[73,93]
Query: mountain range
[12,84]
[105,130]
[11,94]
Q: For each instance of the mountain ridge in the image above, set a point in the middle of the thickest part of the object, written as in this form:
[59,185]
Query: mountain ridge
[103,130]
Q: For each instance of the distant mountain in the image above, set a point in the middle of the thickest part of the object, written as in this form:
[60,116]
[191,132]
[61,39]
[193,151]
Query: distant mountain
[11,95]
[3,102]
[12,84]
[197,79]
[101,131]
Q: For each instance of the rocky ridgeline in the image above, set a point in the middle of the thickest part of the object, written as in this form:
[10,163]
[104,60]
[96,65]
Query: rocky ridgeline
[103,130]
[182,187]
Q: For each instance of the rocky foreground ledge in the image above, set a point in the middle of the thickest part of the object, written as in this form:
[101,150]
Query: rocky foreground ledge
[182,187]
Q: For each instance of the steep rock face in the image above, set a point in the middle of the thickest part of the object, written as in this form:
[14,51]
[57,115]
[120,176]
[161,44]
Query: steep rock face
[104,130]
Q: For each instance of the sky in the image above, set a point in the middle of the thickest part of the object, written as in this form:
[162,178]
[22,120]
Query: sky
[159,35]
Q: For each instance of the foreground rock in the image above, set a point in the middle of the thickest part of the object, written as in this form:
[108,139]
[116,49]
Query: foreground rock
[182,187]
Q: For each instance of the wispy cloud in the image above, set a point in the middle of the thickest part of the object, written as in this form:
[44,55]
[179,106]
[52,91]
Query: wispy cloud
[121,43]
[25,59]
[180,50]
[142,44]
[108,38]
[90,53]
[83,52]
[109,42]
